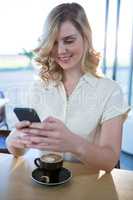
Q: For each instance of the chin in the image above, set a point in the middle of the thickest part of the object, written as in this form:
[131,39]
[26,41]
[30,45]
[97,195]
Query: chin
[66,67]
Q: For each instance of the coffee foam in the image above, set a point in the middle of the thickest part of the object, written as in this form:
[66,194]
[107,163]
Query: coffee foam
[51,158]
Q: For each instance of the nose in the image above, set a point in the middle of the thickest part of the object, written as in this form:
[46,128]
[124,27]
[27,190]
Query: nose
[61,48]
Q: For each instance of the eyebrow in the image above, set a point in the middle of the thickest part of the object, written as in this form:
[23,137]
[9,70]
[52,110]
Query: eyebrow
[69,36]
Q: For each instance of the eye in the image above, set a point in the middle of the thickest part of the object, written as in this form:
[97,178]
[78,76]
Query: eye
[69,41]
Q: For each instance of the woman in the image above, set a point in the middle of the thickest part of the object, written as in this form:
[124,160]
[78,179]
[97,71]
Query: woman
[82,112]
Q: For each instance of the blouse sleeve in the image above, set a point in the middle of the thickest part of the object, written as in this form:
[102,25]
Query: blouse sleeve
[115,105]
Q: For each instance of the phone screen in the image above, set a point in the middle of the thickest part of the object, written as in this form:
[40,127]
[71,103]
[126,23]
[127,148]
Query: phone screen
[28,114]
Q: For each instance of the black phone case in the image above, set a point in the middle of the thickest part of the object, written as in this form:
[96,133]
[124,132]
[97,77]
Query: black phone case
[28,114]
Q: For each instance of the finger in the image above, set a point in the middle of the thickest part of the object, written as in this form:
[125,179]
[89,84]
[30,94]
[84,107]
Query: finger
[36,125]
[22,124]
[23,140]
[44,140]
[32,131]
[20,144]
[44,125]
[45,147]
[39,132]
[51,119]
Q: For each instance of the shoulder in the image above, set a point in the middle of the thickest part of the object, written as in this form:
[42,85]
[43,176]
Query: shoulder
[102,84]
[108,84]
[104,87]
[109,90]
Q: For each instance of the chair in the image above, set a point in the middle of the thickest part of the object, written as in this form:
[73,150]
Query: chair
[3,122]
[3,135]
[118,165]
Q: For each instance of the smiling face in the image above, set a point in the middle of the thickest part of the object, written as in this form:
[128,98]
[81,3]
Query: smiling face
[69,47]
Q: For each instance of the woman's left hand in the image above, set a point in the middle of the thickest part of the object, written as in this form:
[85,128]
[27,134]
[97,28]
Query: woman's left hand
[51,135]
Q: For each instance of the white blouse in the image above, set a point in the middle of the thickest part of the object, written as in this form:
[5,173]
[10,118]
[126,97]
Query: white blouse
[93,101]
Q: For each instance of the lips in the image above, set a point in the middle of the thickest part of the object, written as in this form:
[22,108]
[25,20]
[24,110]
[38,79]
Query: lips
[64,58]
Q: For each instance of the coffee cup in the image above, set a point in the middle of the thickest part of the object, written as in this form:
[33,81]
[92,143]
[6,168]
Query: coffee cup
[51,163]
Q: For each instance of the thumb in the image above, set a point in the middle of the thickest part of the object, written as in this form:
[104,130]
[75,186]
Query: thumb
[49,119]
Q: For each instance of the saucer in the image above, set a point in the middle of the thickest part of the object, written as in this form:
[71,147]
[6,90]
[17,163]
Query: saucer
[64,176]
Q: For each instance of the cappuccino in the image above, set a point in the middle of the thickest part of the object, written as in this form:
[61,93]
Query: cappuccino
[51,158]
[49,162]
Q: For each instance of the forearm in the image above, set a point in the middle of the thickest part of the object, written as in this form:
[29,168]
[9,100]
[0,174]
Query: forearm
[95,156]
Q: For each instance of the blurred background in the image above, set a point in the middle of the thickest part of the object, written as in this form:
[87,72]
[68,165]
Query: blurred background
[21,23]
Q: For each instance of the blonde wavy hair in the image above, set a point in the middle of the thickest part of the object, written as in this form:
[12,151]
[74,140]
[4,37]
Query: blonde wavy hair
[74,13]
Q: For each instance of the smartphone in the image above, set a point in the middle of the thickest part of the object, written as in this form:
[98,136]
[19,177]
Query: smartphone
[28,114]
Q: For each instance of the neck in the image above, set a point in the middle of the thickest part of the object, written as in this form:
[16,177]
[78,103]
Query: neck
[71,76]
[70,80]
